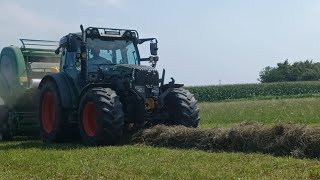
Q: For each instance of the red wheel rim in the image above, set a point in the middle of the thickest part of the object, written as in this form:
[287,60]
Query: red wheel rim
[48,112]
[89,119]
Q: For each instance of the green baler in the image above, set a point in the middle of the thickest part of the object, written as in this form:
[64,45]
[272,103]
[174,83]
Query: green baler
[21,70]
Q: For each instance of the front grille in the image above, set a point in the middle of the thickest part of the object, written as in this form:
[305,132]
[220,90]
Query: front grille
[146,76]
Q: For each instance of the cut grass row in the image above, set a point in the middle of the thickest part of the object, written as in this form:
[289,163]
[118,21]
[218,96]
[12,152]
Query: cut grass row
[279,140]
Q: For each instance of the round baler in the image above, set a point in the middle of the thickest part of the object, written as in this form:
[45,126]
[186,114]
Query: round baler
[21,70]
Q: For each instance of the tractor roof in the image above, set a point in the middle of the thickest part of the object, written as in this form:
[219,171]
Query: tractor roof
[111,32]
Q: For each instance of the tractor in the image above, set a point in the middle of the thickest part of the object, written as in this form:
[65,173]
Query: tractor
[102,90]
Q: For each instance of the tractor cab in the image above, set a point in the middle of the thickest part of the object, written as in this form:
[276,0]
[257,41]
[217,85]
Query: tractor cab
[102,48]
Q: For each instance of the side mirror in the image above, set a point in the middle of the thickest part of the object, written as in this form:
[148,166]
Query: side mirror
[72,44]
[154,48]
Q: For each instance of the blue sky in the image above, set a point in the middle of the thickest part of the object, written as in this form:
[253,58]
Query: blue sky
[200,42]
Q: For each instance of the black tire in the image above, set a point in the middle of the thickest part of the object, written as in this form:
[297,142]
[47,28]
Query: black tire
[5,131]
[52,117]
[101,118]
[182,108]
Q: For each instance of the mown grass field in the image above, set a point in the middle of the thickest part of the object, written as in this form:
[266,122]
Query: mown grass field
[301,110]
[33,160]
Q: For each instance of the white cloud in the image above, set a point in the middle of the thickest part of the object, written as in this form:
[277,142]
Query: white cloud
[13,13]
[315,8]
[19,22]
[113,3]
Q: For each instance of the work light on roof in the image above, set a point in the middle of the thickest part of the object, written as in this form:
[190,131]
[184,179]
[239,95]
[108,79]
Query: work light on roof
[110,32]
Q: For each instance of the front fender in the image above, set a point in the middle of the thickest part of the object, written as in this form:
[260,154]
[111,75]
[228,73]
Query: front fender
[65,87]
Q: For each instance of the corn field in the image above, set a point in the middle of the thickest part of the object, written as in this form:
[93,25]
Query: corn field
[243,91]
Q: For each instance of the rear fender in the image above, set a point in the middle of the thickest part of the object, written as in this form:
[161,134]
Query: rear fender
[90,86]
[166,86]
[166,89]
[66,89]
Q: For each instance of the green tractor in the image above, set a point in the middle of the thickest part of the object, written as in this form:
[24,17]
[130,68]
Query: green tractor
[102,90]
[21,70]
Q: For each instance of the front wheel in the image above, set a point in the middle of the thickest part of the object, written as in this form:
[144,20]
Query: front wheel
[52,116]
[182,108]
[101,118]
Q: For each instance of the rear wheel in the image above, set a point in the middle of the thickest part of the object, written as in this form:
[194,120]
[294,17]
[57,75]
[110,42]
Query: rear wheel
[101,117]
[52,116]
[182,108]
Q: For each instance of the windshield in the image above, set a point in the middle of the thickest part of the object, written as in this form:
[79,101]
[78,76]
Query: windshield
[109,52]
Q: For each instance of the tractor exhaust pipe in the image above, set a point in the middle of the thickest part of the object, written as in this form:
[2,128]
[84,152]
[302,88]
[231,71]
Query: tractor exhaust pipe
[84,64]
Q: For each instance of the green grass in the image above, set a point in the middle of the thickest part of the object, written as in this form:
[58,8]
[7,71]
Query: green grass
[303,111]
[31,159]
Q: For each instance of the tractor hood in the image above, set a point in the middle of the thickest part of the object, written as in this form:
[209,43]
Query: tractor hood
[142,75]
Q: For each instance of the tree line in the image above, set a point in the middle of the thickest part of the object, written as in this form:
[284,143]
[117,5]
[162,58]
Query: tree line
[298,71]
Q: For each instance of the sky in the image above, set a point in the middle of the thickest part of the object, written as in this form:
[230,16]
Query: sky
[204,42]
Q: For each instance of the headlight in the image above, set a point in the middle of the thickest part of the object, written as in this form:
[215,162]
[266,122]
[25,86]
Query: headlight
[155,90]
[140,89]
